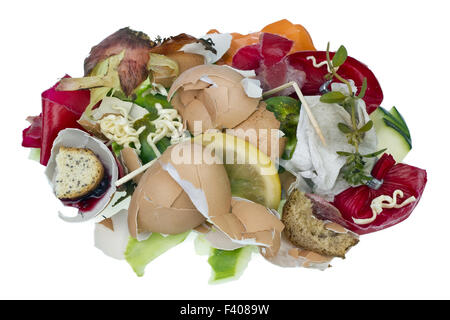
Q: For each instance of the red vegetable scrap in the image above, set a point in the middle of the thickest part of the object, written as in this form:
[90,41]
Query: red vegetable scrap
[351,69]
[268,59]
[274,66]
[31,136]
[60,110]
[133,67]
[355,203]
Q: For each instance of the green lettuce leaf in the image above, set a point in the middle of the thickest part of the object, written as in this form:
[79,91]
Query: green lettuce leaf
[140,253]
[35,154]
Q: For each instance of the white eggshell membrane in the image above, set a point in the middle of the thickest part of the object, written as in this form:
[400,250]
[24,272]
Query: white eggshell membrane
[76,138]
[114,242]
[222,42]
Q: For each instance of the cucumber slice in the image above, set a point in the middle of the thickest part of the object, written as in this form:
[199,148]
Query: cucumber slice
[399,130]
[397,115]
[383,113]
[391,137]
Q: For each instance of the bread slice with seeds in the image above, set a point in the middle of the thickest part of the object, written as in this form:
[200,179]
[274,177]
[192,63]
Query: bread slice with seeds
[307,232]
[79,172]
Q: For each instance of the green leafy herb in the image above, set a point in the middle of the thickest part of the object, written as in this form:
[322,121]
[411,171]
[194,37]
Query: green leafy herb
[333,97]
[354,169]
[339,57]
[362,92]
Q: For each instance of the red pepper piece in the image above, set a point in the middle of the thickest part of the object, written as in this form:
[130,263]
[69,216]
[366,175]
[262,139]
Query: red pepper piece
[355,202]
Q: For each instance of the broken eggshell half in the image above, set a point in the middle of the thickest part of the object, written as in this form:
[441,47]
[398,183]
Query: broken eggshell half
[76,138]
[213,95]
[201,175]
[160,205]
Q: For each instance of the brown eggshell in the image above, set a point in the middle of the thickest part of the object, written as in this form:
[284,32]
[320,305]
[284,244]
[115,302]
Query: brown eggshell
[167,220]
[186,60]
[224,99]
[131,161]
[108,223]
[262,122]
[260,224]
[159,204]
[230,225]
[255,217]
[204,180]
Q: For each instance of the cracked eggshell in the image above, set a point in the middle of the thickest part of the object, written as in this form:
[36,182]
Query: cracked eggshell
[264,123]
[111,235]
[215,90]
[131,162]
[250,223]
[216,238]
[290,256]
[76,138]
[185,60]
[160,205]
[201,175]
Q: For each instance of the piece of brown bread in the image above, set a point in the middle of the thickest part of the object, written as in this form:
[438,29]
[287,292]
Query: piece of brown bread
[79,172]
[307,232]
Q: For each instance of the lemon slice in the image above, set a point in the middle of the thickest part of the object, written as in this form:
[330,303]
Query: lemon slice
[252,174]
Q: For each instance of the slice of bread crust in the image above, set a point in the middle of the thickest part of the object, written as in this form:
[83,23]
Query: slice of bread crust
[79,172]
[307,232]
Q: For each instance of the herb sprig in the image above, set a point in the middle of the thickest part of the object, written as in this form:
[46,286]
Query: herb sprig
[354,169]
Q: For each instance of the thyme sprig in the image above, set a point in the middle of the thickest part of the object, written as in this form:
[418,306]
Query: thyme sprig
[354,169]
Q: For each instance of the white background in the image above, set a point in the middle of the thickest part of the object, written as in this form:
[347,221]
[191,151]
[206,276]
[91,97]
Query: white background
[404,42]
